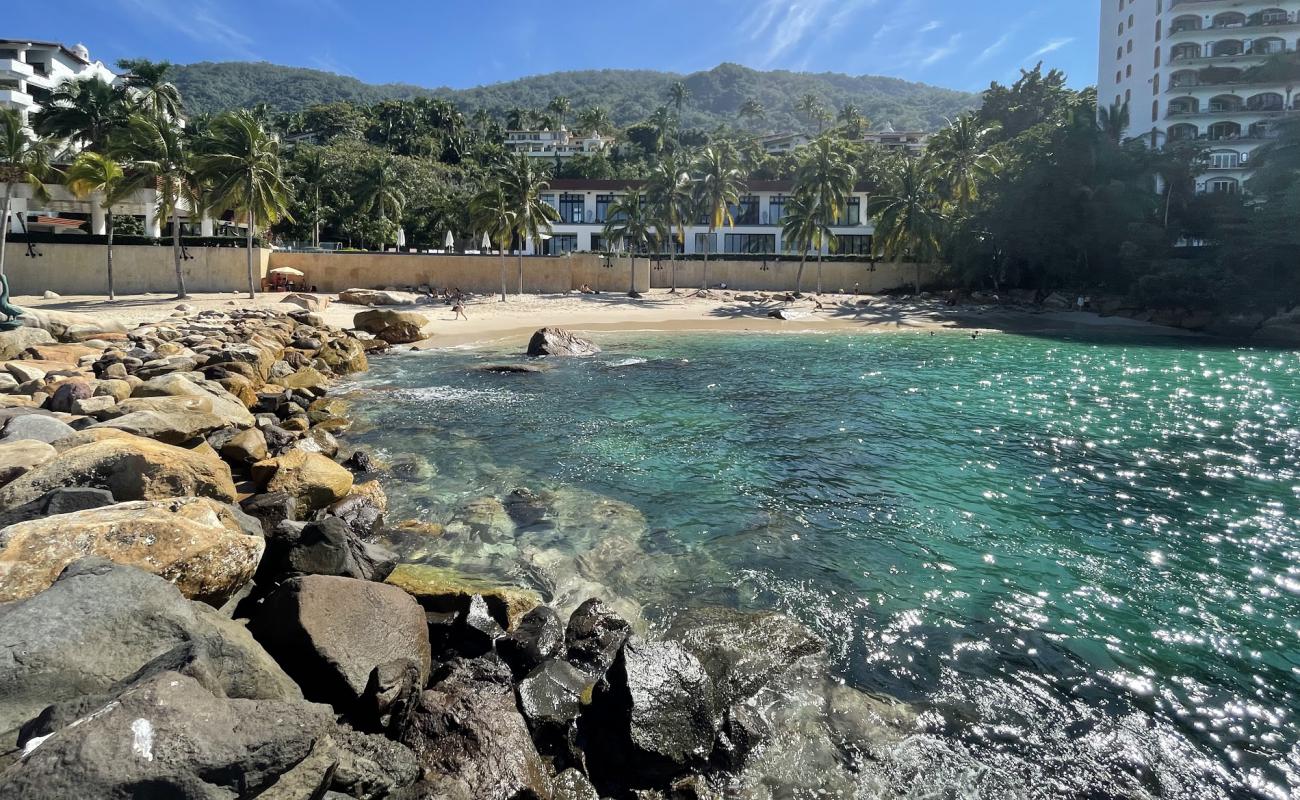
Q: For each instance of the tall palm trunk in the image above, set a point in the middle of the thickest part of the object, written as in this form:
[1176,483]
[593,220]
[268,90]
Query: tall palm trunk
[176,252]
[521,270]
[819,270]
[632,259]
[4,225]
[708,245]
[798,278]
[502,252]
[315,223]
[252,291]
[112,294]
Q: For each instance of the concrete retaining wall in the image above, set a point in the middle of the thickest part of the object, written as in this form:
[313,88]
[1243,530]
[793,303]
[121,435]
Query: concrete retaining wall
[760,276]
[81,269]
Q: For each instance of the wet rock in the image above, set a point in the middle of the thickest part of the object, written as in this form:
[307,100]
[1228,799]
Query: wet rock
[22,456]
[324,547]
[513,369]
[445,590]
[332,633]
[573,785]
[559,342]
[551,696]
[484,519]
[363,509]
[131,467]
[394,327]
[743,730]
[99,623]
[526,508]
[199,545]
[538,637]
[594,637]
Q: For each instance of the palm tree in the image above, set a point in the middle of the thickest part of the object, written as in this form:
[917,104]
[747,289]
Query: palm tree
[560,106]
[803,227]
[678,95]
[669,188]
[1114,121]
[662,121]
[83,112]
[492,213]
[523,182]
[752,110]
[717,192]
[907,223]
[147,80]
[313,171]
[97,174]
[630,219]
[809,105]
[240,161]
[852,120]
[594,120]
[959,157]
[23,159]
[824,118]
[381,193]
[826,176]
[158,155]
[518,119]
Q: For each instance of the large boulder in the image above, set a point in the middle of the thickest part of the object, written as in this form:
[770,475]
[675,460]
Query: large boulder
[57,501]
[376,297]
[325,547]
[559,342]
[100,623]
[594,636]
[170,427]
[447,591]
[201,546]
[472,741]
[539,637]
[310,302]
[38,426]
[313,480]
[223,403]
[21,456]
[14,342]
[169,736]
[131,467]
[67,326]
[394,327]
[337,636]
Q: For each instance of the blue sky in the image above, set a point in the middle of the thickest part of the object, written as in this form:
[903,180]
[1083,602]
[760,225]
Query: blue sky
[961,44]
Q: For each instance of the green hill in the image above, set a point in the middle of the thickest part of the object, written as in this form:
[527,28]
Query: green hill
[629,95]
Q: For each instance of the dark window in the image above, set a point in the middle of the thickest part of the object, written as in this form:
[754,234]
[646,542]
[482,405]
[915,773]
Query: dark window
[560,244]
[750,243]
[603,202]
[572,208]
[777,210]
[746,213]
[598,243]
[851,214]
[853,245]
[706,242]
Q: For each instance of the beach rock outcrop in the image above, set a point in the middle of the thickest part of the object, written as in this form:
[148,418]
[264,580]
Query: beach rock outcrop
[131,467]
[377,297]
[311,479]
[100,623]
[560,342]
[394,327]
[201,546]
[332,634]
[324,547]
[67,326]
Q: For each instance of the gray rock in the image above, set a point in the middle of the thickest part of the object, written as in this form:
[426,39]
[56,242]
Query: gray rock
[99,623]
[59,501]
[573,785]
[559,342]
[325,547]
[593,637]
[537,637]
[13,343]
[36,426]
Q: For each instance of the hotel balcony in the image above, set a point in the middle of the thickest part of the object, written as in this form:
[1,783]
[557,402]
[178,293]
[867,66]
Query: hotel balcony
[12,98]
[13,69]
[1231,24]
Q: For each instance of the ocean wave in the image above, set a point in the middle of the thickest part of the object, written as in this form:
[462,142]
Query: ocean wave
[455,395]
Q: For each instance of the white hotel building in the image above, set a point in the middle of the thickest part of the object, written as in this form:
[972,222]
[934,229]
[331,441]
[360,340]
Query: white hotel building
[583,206]
[559,144]
[1181,65]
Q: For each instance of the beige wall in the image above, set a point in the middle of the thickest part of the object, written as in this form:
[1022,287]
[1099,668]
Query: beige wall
[750,276]
[81,269]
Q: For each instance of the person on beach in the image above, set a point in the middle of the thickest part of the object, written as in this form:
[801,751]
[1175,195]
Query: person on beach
[459,311]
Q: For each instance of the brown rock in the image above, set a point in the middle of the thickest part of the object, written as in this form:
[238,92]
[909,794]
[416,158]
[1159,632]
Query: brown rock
[441,589]
[22,456]
[313,480]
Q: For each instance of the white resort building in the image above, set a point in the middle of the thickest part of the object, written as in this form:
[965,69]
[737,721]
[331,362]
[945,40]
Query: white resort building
[910,142]
[559,144]
[1186,70]
[583,206]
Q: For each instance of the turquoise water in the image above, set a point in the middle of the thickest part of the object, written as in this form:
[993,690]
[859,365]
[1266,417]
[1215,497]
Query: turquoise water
[1078,562]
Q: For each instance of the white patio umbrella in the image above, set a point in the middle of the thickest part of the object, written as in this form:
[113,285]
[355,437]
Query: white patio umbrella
[401,237]
[486,244]
[449,242]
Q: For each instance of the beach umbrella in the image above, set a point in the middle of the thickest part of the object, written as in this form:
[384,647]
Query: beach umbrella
[486,244]
[401,237]
[449,242]
[287,271]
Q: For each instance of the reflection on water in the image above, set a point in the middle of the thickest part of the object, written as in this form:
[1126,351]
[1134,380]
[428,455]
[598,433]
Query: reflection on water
[1076,563]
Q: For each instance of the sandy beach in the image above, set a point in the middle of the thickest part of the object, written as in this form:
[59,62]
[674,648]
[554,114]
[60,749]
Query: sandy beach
[491,320]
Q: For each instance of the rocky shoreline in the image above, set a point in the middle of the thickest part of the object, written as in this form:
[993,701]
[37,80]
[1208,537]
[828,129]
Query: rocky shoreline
[198,603]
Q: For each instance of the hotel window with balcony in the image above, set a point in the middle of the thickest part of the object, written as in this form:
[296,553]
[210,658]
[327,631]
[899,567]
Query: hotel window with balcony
[1227,47]
[750,242]
[1273,16]
[1185,51]
[572,208]
[1267,101]
[776,209]
[1224,131]
[603,202]
[1185,23]
[1227,159]
[1267,46]
[560,244]
[1225,104]
[1183,133]
[1229,19]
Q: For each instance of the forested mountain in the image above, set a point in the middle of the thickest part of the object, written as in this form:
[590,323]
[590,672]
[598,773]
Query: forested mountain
[716,96]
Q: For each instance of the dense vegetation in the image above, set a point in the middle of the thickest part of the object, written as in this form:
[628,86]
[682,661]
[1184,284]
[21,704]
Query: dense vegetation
[717,95]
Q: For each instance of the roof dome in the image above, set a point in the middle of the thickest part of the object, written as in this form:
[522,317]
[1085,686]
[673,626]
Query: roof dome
[81,51]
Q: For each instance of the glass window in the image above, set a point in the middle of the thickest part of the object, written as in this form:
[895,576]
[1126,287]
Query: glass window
[560,244]
[549,199]
[706,242]
[750,243]
[1225,160]
[746,213]
[776,209]
[1223,187]
[851,214]
[603,202]
[572,208]
[853,245]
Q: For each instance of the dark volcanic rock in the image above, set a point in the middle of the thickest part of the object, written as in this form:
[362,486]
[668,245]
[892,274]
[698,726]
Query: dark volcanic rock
[325,547]
[332,633]
[537,637]
[271,509]
[361,513]
[551,695]
[57,501]
[472,741]
[559,342]
[594,636]
[101,623]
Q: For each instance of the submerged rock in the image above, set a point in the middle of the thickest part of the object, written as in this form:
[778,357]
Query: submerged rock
[560,342]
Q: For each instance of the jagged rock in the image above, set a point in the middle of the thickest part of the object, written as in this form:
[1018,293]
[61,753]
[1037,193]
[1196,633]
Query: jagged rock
[472,741]
[375,297]
[131,467]
[394,327]
[573,785]
[325,547]
[313,480]
[101,622]
[21,456]
[594,636]
[331,634]
[538,637]
[445,590]
[199,545]
[559,342]
[551,696]
[363,509]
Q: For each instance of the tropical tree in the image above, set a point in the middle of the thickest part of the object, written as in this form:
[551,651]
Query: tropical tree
[1114,121]
[383,195]
[803,227]
[717,192]
[24,159]
[670,192]
[678,94]
[492,212]
[752,110]
[809,105]
[84,112]
[630,218]
[147,82]
[851,119]
[240,162]
[560,106]
[312,170]
[826,178]
[97,174]
[158,155]
[523,183]
[961,162]
[594,120]
[907,222]
[663,122]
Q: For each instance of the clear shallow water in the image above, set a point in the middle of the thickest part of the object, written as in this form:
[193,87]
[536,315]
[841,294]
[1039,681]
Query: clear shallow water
[1078,562]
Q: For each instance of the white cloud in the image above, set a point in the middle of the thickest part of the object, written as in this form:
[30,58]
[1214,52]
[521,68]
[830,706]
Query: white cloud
[1050,47]
[783,27]
[995,48]
[942,51]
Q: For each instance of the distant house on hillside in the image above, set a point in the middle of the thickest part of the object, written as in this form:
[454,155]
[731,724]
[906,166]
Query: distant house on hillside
[910,142]
[780,143]
[561,144]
